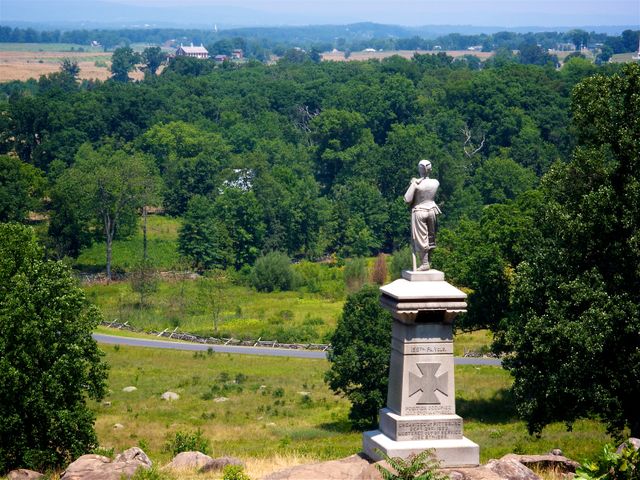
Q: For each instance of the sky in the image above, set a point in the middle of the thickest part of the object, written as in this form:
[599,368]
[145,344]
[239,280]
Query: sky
[510,13]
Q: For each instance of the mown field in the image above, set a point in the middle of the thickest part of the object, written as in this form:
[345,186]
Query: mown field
[273,411]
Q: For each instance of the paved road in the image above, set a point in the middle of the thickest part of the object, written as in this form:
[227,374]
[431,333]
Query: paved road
[271,352]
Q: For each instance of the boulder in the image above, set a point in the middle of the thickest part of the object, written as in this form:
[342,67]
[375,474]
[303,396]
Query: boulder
[634,441]
[190,461]
[510,469]
[97,467]
[129,389]
[23,474]
[471,473]
[220,399]
[545,462]
[220,463]
[169,396]
[134,454]
[117,426]
[350,468]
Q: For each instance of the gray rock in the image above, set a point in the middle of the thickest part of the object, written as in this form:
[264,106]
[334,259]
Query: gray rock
[129,389]
[23,474]
[190,461]
[544,462]
[350,468]
[511,469]
[97,467]
[634,441]
[471,473]
[169,396]
[118,426]
[556,451]
[220,463]
[220,399]
[106,404]
[134,454]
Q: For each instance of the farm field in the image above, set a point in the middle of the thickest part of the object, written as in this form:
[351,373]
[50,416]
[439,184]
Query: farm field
[22,61]
[279,411]
[339,56]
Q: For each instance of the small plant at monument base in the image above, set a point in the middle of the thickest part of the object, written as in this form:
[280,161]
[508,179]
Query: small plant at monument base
[423,466]
[612,465]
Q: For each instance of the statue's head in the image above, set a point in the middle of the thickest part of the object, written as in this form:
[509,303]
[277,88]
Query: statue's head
[424,167]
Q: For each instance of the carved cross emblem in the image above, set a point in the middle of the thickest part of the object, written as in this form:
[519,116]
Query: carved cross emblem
[428,383]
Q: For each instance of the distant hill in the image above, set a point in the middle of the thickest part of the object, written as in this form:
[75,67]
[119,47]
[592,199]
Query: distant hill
[80,14]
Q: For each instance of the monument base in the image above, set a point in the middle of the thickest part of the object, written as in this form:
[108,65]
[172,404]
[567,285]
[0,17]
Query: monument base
[451,453]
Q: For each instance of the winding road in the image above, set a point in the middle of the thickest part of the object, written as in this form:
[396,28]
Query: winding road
[266,351]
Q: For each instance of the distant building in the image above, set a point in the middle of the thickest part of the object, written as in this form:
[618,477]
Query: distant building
[369,50]
[475,48]
[237,54]
[193,52]
[221,58]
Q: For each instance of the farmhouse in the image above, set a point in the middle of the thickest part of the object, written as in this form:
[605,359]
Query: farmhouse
[194,52]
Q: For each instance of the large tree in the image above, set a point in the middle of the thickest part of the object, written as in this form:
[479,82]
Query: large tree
[574,332]
[21,187]
[49,363]
[109,186]
[123,60]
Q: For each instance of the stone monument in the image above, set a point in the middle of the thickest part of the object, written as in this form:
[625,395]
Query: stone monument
[421,409]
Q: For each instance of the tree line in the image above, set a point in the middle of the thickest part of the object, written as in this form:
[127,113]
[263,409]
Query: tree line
[261,43]
[538,170]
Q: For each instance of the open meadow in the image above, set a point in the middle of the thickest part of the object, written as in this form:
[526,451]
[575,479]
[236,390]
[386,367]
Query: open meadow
[272,412]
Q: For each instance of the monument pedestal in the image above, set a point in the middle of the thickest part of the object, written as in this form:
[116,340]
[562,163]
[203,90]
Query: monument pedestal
[420,411]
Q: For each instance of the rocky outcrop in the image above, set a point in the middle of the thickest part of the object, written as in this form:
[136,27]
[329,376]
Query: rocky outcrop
[97,467]
[170,396]
[355,467]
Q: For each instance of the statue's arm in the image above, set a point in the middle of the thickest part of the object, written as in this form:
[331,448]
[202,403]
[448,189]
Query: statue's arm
[408,196]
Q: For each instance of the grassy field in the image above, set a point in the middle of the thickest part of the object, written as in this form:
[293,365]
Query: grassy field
[279,409]
[162,234]
[282,316]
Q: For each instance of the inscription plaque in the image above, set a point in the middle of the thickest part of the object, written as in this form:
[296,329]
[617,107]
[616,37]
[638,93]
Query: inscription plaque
[429,430]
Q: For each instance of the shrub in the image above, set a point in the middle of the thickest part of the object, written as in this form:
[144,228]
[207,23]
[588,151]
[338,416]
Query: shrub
[355,274]
[272,272]
[187,442]
[143,280]
[401,260]
[379,273]
[234,472]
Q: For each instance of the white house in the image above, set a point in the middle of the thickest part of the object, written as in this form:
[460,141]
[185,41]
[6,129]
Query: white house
[194,52]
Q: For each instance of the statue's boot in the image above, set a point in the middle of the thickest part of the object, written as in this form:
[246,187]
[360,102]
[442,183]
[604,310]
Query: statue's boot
[425,266]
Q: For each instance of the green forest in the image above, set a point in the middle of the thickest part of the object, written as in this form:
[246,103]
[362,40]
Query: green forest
[539,172]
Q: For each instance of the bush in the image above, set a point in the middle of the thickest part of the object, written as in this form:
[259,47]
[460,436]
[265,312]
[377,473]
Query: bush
[423,466]
[234,472]
[401,260]
[272,272]
[355,274]
[379,273]
[187,442]
[143,280]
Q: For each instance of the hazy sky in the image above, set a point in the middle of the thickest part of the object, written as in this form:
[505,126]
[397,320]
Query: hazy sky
[429,12]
